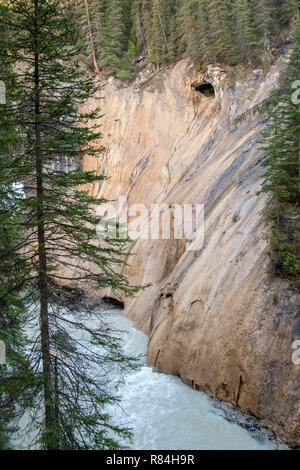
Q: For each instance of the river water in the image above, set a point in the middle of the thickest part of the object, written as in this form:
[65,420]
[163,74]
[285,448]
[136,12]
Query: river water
[163,413]
[167,414]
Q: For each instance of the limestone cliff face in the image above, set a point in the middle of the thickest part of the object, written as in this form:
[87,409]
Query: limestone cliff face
[215,316]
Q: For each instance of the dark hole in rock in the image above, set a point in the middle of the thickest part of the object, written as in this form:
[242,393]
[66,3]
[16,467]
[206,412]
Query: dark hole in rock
[116,303]
[206,89]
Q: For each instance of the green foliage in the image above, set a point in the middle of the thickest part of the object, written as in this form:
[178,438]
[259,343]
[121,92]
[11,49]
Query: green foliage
[17,379]
[226,31]
[282,167]
[48,235]
[156,47]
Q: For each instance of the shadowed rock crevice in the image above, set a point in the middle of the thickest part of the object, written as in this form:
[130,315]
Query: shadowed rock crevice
[205,89]
[114,302]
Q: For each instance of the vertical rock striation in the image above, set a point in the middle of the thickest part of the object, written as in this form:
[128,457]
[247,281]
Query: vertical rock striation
[215,317]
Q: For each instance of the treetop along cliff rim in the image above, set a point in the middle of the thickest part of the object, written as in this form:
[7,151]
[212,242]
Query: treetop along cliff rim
[154,222]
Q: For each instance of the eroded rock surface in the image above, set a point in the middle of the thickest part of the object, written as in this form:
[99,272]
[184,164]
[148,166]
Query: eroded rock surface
[215,316]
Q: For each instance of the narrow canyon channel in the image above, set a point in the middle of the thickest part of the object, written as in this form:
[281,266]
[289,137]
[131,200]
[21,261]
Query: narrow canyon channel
[163,413]
[169,415]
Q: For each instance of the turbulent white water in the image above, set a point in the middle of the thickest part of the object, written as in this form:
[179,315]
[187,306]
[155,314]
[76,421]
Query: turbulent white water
[164,414]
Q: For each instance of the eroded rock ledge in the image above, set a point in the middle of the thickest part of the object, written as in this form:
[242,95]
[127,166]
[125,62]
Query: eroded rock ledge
[215,317]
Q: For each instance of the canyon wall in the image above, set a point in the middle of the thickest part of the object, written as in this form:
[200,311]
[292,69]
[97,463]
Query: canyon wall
[216,316]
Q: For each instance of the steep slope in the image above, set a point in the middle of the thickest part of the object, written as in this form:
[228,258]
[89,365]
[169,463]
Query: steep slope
[215,317]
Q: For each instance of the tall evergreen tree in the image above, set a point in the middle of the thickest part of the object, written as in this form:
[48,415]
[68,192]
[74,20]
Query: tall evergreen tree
[223,32]
[285,10]
[157,43]
[174,45]
[116,35]
[59,225]
[138,31]
[226,31]
[188,15]
[265,21]
[88,18]
[247,31]
[282,168]
[17,376]
[97,9]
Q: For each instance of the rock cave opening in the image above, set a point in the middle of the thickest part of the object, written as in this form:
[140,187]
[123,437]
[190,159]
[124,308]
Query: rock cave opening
[114,302]
[205,89]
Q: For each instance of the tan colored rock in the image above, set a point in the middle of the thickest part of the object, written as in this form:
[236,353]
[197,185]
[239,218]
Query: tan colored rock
[210,315]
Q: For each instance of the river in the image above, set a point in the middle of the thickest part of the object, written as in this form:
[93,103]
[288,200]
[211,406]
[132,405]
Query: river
[167,414]
[164,413]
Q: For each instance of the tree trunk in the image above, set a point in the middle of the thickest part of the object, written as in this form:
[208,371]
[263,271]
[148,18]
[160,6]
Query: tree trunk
[161,25]
[42,274]
[91,36]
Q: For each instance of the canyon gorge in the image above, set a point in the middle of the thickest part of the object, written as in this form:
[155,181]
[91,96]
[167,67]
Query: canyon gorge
[217,317]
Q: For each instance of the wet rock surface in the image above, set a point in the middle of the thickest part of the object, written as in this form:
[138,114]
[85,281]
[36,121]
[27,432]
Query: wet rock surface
[219,329]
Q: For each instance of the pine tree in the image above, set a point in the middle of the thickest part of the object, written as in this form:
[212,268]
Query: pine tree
[96,12]
[88,33]
[59,227]
[17,379]
[282,168]
[265,21]
[247,31]
[157,43]
[174,31]
[188,20]
[284,11]
[147,7]
[18,376]
[138,33]
[116,36]
[223,44]
[88,18]
[228,31]
[12,309]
